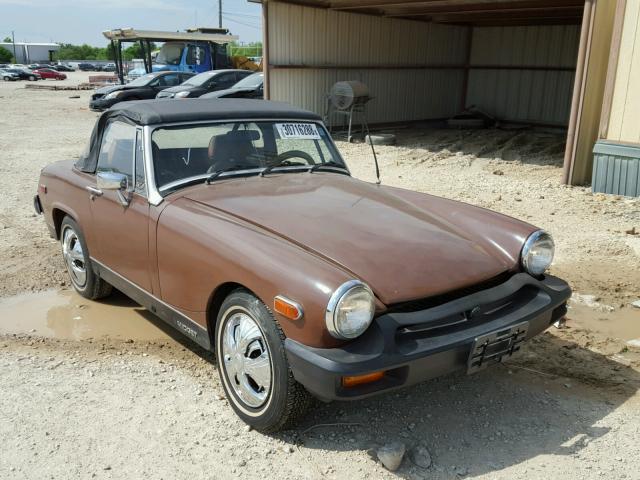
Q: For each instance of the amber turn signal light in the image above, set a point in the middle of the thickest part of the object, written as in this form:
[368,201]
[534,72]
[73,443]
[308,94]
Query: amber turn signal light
[361,379]
[287,308]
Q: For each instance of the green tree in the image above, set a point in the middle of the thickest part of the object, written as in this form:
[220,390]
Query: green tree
[5,55]
[7,40]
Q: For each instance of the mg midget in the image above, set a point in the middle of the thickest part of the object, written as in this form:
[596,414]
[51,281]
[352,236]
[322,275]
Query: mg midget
[238,223]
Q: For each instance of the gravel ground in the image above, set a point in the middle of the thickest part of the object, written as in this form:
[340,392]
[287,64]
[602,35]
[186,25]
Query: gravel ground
[568,406]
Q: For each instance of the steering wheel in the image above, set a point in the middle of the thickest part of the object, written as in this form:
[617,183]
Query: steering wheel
[283,157]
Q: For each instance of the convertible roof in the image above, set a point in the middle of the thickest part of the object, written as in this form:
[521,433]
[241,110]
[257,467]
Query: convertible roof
[154,112]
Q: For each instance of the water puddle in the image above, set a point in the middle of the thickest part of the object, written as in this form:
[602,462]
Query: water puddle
[66,315]
[622,323]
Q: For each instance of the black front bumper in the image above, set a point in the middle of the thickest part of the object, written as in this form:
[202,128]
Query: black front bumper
[416,346]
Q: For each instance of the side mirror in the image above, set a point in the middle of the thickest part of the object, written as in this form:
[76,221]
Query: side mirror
[115,181]
[112,181]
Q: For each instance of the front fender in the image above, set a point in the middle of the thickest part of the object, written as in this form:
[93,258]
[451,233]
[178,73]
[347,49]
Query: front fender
[199,249]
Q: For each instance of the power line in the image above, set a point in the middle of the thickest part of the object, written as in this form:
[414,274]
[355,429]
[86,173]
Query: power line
[237,14]
[257,27]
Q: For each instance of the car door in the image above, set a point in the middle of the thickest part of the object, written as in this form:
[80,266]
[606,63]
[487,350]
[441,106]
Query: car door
[162,82]
[121,230]
[196,59]
[222,81]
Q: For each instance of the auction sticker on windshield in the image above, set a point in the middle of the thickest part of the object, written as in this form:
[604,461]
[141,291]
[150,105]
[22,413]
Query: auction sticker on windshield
[298,130]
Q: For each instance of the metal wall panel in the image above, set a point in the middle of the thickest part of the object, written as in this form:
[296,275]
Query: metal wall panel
[624,122]
[534,95]
[310,38]
[616,169]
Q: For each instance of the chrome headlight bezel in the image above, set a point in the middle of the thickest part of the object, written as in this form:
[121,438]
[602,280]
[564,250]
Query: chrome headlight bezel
[533,240]
[333,308]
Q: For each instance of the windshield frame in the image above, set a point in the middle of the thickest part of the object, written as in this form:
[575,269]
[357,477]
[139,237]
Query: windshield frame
[257,75]
[208,75]
[157,194]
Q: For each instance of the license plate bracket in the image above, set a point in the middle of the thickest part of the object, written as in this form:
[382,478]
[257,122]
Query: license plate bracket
[496,346]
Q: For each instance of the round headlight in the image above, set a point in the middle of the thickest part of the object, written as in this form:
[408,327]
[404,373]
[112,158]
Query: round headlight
[537,253]
[350,310]
[183,94]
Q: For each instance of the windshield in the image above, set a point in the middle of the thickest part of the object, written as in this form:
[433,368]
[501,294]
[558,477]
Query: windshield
[142,80]
[199,79]
[170,54]
[188,152]
[251,81]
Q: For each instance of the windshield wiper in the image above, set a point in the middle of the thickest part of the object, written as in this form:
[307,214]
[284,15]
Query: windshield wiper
[217,173]
[329,164]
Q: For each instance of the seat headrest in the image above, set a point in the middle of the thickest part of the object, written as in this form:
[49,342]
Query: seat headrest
[239,138]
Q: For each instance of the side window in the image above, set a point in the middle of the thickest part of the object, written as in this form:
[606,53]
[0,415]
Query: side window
[116,150]
[170,80]
[225,80]
[195,55]
[141,184]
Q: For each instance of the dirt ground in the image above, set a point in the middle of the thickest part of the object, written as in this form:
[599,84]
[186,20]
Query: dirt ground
[121,405]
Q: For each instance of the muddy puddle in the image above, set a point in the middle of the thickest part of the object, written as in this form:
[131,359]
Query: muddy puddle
[622,323]
[66,315]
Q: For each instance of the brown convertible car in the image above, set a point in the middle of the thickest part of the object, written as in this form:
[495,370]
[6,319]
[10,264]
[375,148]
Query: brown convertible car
[238,223]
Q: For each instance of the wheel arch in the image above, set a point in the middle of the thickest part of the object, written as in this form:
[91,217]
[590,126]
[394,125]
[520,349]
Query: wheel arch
[58,214]
[216,298]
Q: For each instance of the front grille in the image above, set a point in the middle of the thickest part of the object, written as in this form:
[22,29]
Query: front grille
[430,302]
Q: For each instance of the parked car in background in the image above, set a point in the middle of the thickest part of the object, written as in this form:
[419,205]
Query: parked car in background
[63,68]
[238,223]
[86,67]
[145,87]
[249,87]
[205,82]
[8,76]
[109,67]
[24,74]
[46,73]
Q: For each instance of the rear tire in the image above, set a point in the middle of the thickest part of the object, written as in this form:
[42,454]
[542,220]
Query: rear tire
[76,258]
[253,365]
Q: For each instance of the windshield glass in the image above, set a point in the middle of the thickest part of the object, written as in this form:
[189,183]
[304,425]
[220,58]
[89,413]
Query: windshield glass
[142,80]
[251,81]
[187,151]
[170,54]
[199,79]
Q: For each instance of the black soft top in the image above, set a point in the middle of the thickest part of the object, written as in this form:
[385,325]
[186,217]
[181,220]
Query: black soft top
[154,112]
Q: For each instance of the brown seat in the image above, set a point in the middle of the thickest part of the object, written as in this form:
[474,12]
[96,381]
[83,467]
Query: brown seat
[233,149]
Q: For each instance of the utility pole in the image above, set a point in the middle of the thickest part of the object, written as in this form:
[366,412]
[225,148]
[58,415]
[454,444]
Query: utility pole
[13,40]
[220,13]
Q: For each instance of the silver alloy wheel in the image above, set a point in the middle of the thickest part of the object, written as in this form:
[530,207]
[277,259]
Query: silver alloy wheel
[74,257]
[247,364]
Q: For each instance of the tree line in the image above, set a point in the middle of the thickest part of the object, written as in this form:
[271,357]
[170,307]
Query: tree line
[70,51]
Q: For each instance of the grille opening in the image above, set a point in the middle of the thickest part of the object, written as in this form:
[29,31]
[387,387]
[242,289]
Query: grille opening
[430,302]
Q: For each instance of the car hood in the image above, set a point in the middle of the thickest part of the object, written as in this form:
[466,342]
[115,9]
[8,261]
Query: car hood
[404,244]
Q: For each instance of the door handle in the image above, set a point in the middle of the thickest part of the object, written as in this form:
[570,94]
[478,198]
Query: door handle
[93,192]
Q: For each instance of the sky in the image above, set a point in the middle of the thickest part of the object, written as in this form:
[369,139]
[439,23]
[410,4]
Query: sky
[82,21]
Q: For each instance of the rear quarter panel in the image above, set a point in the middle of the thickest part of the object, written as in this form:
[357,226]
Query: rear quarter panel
[66,194]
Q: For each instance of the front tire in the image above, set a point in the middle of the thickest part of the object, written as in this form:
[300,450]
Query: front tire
[76,258]
[32,78]
[253,365]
